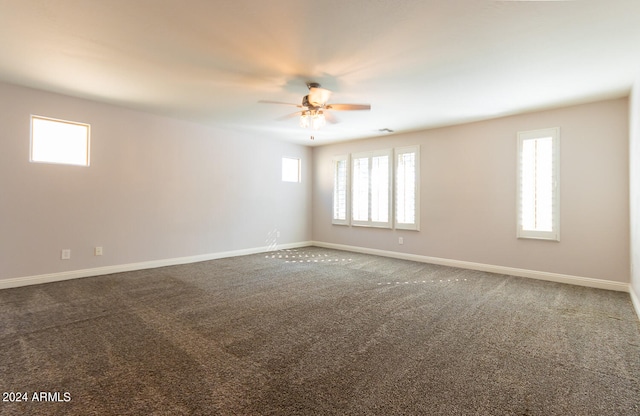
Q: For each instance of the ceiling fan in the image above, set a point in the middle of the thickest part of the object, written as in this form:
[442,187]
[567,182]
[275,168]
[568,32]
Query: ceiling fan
[314,110]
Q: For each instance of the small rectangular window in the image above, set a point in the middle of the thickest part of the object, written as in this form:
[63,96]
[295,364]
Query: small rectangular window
[59,141]
[340,190]
[290,170]
[538,187]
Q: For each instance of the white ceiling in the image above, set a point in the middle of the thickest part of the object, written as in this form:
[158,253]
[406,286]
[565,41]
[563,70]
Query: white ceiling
[419,63]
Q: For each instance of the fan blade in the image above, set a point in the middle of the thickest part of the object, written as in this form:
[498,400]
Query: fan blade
[318,96]
[348,107]
[288,116]
[330,117]
[278,102]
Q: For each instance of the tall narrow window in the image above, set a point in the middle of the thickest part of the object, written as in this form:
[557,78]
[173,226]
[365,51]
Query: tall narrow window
[538,187]
[340,190]
[360,189]
[371,189]
[290,169]
[59,141]
[380,187]
[407,197]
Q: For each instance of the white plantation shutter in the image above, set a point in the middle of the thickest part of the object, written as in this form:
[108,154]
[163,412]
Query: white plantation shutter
[340,190]
[380,189]
[360,189]
[538,187]
[363,188]
[407,192]
[371,189]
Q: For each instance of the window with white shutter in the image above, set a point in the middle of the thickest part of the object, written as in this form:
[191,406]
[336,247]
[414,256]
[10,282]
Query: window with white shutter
[407,196]
[371,189]
[340,190]
[538,184]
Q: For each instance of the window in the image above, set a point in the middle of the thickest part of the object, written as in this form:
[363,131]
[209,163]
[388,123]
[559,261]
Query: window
[59,141]
[407,196]
[290,170]
[371,189]
[340,190]
[363,186]
[538,187]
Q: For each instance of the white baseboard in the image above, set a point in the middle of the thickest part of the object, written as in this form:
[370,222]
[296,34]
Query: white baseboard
[553,277]
[99,271]
[510,271]
[635,300]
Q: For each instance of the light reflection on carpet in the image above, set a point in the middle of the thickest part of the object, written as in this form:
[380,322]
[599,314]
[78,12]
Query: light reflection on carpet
[417,282]
[296,256]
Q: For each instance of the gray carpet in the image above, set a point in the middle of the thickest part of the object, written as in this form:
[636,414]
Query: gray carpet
[318,332]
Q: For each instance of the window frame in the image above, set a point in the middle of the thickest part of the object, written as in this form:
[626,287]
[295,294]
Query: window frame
[415,226]
[299,169]
[554,233]
[347,190]
[34,141]
[370,155]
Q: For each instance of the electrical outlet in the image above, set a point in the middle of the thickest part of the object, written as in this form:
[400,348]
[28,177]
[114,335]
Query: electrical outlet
[97,251]
[65,254]
[400,240]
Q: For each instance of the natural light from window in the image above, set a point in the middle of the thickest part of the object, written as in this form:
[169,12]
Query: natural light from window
[340,184]
[538,215]
[380,189]
[537,184]
[371,188]
[360,189]
[59,141]
[290,170]
[407,195]
[374,201]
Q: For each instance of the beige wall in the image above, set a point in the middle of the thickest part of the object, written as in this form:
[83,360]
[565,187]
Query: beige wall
[157,188]
[468,194]
[160,188]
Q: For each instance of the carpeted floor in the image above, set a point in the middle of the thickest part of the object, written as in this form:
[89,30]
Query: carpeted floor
[317,332]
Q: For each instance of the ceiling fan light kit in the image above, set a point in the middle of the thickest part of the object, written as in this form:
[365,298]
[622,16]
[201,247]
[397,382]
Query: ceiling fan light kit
[314,108]
[312,119]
